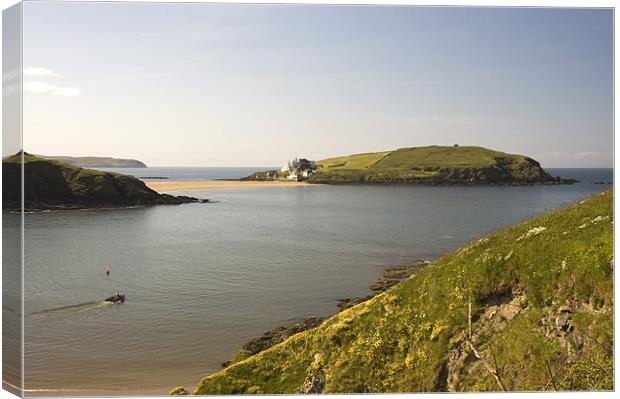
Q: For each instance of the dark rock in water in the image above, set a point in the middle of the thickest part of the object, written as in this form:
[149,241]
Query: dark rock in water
[394,275]
[346,303]
[279,334]
[55,185]
[274,337]
[390,277]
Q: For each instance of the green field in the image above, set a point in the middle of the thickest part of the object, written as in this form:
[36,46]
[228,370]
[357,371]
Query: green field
[359,161]
[421,157]
[433,165]
[529,307]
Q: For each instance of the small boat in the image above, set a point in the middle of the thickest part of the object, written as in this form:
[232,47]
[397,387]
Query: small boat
[116,298]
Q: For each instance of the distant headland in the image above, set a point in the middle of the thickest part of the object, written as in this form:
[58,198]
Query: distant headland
[50,184]
[96,162]
[432,165]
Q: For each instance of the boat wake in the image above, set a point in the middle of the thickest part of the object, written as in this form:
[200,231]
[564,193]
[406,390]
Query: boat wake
[76,309]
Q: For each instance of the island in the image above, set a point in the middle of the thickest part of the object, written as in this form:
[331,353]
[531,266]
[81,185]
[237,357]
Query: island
[96,162]
[527,308]
[432,165]
[52,184]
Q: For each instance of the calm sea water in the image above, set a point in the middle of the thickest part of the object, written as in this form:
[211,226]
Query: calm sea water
[202,279]
[190,173]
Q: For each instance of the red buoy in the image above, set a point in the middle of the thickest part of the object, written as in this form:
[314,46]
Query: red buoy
[107,272]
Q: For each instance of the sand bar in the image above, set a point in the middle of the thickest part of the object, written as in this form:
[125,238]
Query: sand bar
[163,186]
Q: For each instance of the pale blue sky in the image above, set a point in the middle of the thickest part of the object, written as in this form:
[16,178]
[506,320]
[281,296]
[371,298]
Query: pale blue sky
[228,85]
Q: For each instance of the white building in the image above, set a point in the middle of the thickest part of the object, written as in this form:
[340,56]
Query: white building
[297,170]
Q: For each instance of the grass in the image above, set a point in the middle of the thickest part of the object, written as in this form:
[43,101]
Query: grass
[519,281]
[431,165]
[451,157]
[421,157]
[359,161]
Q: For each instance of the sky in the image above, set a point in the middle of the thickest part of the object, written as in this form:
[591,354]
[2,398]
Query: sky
[255,85]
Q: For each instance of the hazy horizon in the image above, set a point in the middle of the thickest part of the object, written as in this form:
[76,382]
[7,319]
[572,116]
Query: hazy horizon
[284,161]
[250,85]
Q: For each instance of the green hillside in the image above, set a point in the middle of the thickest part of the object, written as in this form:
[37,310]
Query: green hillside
[97,162]
[352,162]
[529,307]
[56,185]
[432,165]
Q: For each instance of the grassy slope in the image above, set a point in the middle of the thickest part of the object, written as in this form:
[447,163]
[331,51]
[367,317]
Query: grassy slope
[427,163]
[99,162]
[430,156]
[51,184]
[414,337]
[358,161]
[31,158]
[73,174]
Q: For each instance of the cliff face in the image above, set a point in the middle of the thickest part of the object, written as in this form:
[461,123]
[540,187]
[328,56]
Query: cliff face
[526,308]
[56,185]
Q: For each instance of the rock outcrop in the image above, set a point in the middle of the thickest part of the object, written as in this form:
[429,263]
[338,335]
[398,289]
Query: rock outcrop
[56,185]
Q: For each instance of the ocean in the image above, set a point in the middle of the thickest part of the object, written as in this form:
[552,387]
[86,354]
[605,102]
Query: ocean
[203,279]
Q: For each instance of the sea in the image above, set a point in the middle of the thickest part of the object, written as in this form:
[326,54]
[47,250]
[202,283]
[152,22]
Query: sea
[203,279]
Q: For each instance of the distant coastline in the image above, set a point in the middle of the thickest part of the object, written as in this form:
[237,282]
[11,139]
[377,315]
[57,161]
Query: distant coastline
[96,162]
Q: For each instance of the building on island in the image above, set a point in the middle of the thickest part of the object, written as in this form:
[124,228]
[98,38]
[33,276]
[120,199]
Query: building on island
[298,169]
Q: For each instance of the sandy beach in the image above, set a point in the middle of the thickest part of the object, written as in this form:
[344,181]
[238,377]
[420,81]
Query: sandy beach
[165,186]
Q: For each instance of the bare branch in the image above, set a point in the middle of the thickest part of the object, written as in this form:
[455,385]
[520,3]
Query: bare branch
[552,379]
[478,356]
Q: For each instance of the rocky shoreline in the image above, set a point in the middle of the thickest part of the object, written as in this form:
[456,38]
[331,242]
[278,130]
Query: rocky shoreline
[46,207]
[389,278]
[442,183]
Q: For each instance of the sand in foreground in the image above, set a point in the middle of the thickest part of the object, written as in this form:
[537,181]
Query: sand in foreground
[163,186]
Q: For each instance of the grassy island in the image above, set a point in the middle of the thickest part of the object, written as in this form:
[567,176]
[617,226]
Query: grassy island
[432,165]
[528,307]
